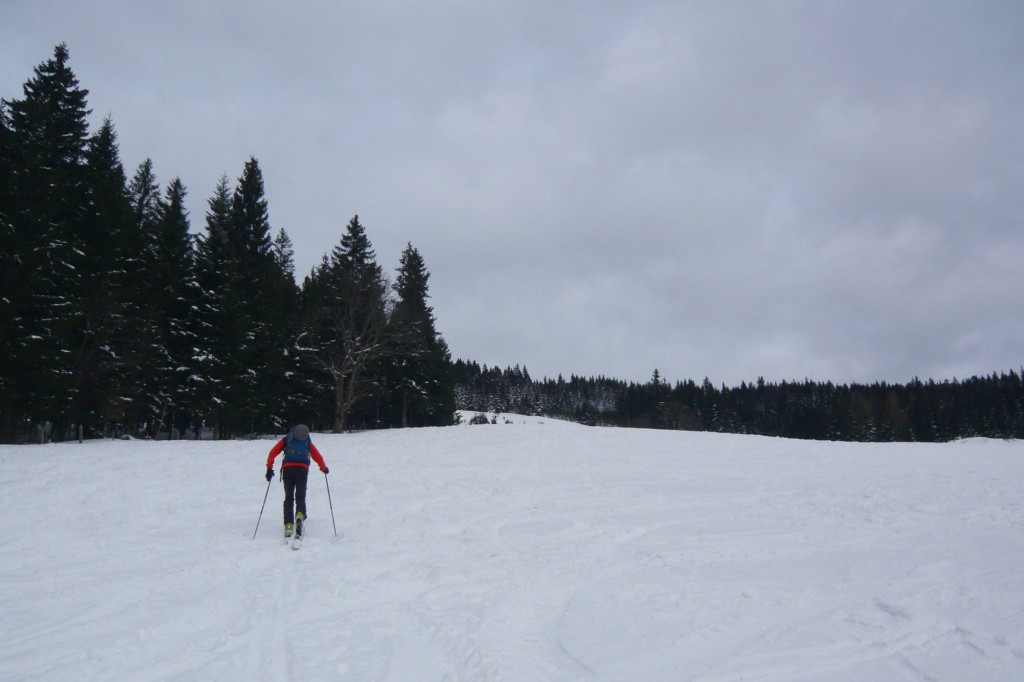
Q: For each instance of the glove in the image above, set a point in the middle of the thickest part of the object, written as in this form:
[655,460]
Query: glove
[326,470]
[270,474]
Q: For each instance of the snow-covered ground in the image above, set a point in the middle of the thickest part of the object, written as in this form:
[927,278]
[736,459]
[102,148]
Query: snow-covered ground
[537,550]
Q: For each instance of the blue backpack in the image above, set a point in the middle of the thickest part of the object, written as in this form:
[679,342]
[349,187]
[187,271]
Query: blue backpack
[296,451]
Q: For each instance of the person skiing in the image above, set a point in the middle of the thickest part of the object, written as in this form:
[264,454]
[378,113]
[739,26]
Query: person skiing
[298,449]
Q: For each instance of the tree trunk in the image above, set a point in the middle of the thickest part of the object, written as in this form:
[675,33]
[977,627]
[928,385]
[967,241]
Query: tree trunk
[340,407]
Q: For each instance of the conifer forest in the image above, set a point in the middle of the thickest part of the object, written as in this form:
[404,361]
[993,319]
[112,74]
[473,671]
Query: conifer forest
[116,319]
[122,315]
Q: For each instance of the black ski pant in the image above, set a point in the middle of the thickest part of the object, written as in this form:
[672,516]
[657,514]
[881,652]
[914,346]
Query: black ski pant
[294,479]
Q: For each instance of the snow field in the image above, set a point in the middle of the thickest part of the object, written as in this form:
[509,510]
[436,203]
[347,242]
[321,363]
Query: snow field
[538,550]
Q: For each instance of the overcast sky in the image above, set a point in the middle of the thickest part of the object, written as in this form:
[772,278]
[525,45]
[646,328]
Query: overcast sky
[823,190]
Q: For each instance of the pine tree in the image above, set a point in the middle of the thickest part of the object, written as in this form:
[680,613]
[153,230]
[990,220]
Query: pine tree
[296,396]
[348,333]
[284,254]
[173,294]
[261,294]
[420,374]
[213,345]
[103,264]
[46,134]
[143,347]
[144,192]
[316,381]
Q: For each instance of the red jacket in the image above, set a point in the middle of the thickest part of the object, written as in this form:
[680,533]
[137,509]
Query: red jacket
[279,448]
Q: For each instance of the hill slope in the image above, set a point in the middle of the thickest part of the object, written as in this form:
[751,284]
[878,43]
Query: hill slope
[538,550]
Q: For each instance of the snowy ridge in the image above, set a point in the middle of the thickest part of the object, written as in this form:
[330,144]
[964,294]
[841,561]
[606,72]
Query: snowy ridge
[537,550]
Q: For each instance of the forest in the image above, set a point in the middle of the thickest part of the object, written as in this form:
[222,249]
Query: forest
[991,406]
[118,319]
[115,319]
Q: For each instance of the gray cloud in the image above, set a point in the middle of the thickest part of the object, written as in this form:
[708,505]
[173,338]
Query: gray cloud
[779,189]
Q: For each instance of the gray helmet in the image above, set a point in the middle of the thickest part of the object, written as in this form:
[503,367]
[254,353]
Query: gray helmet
[300,432]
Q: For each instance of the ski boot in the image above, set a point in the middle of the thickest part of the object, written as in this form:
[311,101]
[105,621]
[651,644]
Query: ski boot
[299,518]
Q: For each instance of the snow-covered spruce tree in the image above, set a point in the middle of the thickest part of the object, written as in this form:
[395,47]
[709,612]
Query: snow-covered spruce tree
[143,345]
[347,332]
[284,253]
[46,135]
[172,283]
[419,372]
[259,297]
[104,264]
[295,394]
[316,380]
[209,382]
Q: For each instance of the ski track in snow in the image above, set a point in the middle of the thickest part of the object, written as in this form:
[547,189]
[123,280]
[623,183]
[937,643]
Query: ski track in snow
[539,550]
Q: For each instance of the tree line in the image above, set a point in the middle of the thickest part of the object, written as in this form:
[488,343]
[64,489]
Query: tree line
[988,406]
[116,319]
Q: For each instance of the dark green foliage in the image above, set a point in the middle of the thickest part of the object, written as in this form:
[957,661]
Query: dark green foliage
[142,349]
[210,380]
[314,381]
[115,319]
[103,262]
[246,290]
[258,296]
[46,194]
[347,335]
[991,406]
[173,296]
[418,374]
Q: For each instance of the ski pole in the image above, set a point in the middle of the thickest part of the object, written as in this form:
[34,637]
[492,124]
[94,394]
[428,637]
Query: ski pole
[261,510]
[330,503]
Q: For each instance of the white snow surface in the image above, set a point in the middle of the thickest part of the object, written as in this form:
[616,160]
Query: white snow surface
[536,550]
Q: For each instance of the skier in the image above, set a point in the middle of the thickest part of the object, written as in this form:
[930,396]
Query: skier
[298,449]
